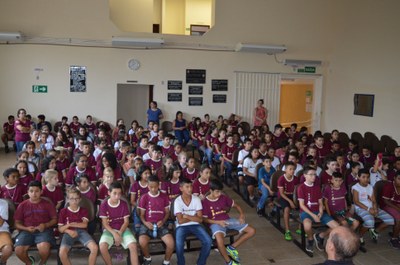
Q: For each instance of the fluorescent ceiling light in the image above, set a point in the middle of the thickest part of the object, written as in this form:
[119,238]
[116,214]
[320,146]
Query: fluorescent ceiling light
[260,48]
[10,36]
[295,63]
[136,42]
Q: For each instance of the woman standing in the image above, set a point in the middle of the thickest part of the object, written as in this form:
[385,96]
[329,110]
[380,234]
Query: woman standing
[260,114]
[180,127]
[22,127]
[154,113]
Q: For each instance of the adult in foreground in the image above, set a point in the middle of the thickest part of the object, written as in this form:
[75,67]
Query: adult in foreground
[341,247]
[22,127]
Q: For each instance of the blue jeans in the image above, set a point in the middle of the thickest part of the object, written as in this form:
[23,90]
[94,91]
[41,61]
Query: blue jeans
[209,154]
[182,136]
[182,232]
[19,146]
[228,169]
[264,197]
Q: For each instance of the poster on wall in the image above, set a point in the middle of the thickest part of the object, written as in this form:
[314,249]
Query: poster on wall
[175,97]
[195,101]
[219,98]
[174,85]
[195,76]
[195,90]
[77,78]
[219,85]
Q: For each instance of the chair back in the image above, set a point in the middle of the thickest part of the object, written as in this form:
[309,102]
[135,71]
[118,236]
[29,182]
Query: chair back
[274,180]
[11,212]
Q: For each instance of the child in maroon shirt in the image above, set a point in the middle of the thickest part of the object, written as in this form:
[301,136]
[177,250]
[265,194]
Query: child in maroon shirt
[215,212]
[335,202]
[190,172]
[52,190]
[326,175]
[286,186]
[202,185]
[391,204]
[79,169]
[138,189]
[312,210]
[12,189]
[24,176]
[83,185]
[34,218]
[73,222]
[114,214]
[108,178]
[171,185]
[154,213]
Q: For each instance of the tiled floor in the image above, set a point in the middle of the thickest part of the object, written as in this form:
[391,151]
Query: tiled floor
[267,247]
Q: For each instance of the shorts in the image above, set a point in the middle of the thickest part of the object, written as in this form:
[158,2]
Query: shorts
[161,232]
[25,238]
[393,212]
[325,218]
[127,238]
[233,224]
[5,239]
[284,203]
[83,237]
[250,181]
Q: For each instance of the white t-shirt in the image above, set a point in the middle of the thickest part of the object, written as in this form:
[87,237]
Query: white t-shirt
[242,154]
[296,171]
[374,177]
[191,209]
[251,165]
[364,194]
[4,215]
[276,162]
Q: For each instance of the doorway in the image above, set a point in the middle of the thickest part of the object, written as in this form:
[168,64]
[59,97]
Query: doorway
[132,102]
[300,101]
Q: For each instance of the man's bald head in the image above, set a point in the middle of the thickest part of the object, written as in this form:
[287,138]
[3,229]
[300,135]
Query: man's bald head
[345,243]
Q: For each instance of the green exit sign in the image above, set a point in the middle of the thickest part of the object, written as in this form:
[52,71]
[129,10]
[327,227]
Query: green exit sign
[307,69]
[39,89]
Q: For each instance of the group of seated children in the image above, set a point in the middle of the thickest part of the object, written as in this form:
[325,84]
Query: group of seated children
[196,201]
[327,203]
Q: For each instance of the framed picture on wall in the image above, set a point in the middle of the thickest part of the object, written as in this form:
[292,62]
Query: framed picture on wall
[195,101]
[77,78]
[364,105]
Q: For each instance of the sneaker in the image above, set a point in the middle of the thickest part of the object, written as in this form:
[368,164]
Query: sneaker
[362,241]
[146,261]
[32,259]
[233,253]
[394,242]
[298,231]
[374,235]
[288,236]
[260,212]
[232,262]
[319,242]
[310,246]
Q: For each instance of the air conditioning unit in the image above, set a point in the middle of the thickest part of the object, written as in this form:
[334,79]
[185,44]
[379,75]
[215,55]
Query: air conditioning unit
[10,37]
[137,42]
[260,48]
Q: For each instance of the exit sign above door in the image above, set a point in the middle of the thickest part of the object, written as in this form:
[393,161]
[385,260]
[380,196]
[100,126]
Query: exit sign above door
[307,69]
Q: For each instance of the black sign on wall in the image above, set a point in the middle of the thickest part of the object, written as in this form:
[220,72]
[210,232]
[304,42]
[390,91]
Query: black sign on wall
[195,76]
[219,98]
[219,85]
[174,96]
[174,85]
[195,90]
[195,101]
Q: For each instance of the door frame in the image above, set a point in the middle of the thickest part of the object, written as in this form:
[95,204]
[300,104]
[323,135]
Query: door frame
[317,96]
